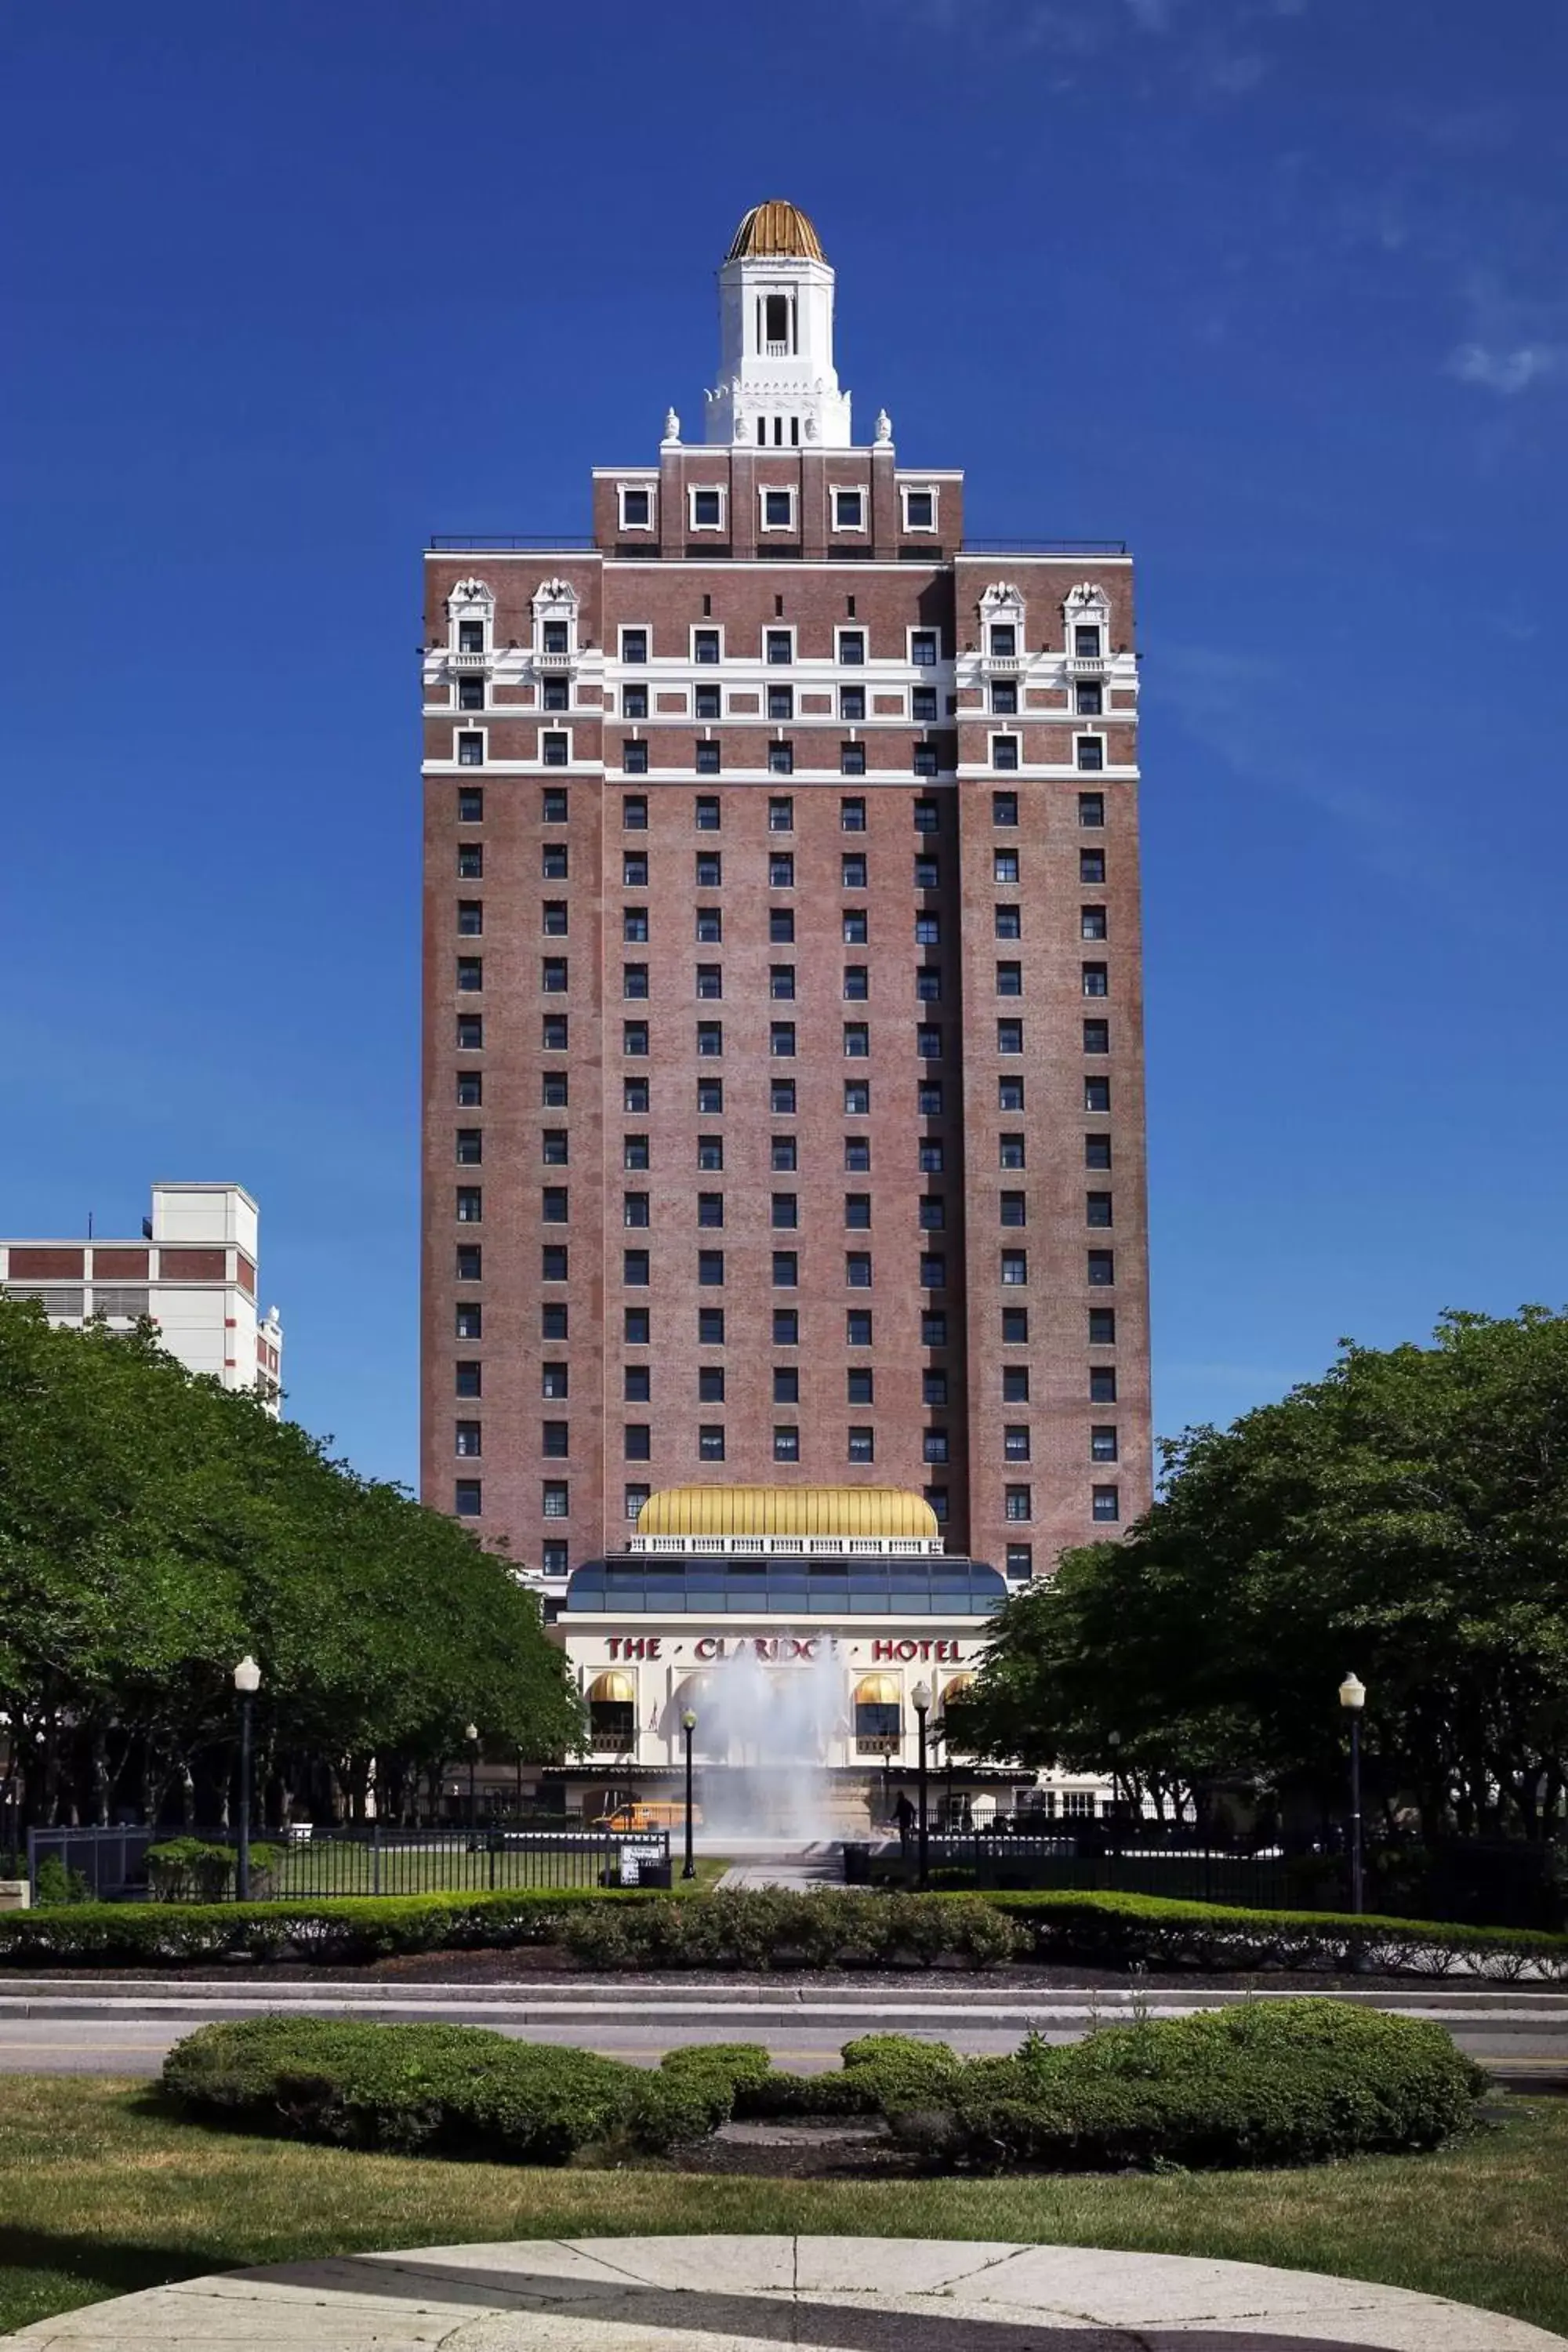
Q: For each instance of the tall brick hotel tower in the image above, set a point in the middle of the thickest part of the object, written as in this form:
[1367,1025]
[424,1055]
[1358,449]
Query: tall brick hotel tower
[783,1075]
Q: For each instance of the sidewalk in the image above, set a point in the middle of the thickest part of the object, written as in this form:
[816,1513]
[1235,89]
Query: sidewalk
[718,2294]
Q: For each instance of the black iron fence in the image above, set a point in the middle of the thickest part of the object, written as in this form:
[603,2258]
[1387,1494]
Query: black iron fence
[118,1865]
[1088,1863]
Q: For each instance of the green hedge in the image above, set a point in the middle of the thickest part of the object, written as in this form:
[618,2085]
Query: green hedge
[776,1928]
[1285,2082]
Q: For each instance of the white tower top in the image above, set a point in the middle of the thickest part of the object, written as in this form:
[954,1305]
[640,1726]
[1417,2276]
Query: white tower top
[777,387]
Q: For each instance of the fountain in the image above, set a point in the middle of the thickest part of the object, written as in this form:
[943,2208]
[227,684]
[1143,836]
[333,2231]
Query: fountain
[762,1742]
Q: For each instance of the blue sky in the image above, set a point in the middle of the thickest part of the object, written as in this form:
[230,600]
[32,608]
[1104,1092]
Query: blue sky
[1273,289]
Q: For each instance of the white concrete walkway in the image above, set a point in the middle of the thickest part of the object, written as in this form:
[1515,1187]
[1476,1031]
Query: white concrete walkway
[720,2294]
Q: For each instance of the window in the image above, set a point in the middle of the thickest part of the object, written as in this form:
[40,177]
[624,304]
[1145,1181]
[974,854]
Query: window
[1016,1503]
[1005,865]
[781,982]
[1015,1442]
[706,702]
[1004,808]
[1103,1327]
[552,1206]
[636,1326]
[1096,980]
[930,1158]
[471,637]
[710,1151]
[467,1499]
[1004,752]
[781,1096]
[856,1042]
[781,1040]
[927,816]
[1015,1384]
[1097,1209]
[856,982]
[1009,1094]
[470,1205]
[1086,640]
[710,1441]
[710,1039]
[555,748]
[925,759]
[636,1383]
[636,507]
[633,869]
[919,508]
[633,813]
[852,868]
[1021,1561]
[1005,699]
[470,1147]
[705,758]
[1010,1152]
[554,918]
[1009,980]
[786,1270]
[852,812]
[1013,1209]
[933,1273]
[470,750]
[710,1269]
[932,1212]
[1102,1269]
[706,510]
[863,1448]
[787,1328]
[928,874]
[709,981]
[634,645]
[852,762]
[555,1499]
[554,1089]
[710,1327]
[924,650]
[858,1327]
[552,975]
[705,644]
[1009,922]
[1015,1268]
[1102,1384]
[1091,923]
[471,917]
[933,1445]
[1009,1036]
[857,1210]
[928,930]
[634,1269]
[857,1154]
[928,1041]
[467,1380]
[778,646]
[634,1208]
[471,804]
[852,703]
[928,1098]
[781,1152]
[1097,1036]
[554,1440]
[709,926]
[1091,808]
[928,983]
[470,972]
[709,869]
[933,1328]
[1091,868]
[1088,702]
[858,1263]
[857,1098]
[849,510]
[922,706]
[705,808]
[710,1384]
[633,703]
[469,1262]
[470,861]
[468,1321]
[851,648]
[786,1445]
[1106,1504]
[468,1437]
[784,1212]
[1102,1443]
[778,509]
[710,1097]
[1015,1327]
[633,1037]
[1097,1151]
[556,694]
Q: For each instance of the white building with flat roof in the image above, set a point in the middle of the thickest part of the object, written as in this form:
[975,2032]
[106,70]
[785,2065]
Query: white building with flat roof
[194,1272]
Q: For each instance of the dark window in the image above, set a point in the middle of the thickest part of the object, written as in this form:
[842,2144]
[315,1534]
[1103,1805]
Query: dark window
[781,1096]
[1097,1036]
[1102,1384]
[1016,1503]
[471,917]
[1009,1094]
[1091,808]
[634,1208]
[781,1040]
[470,972]
[931,1212]
[1004,752]
[709,926]
[1014,1209]
[710,1208]
[781,982]
[781,702]
[633,869]
[933,1388]
[1091,752]
[471,804]
[1015,1384]
[1010,1152]
[928,1098]
[933,1328]
[705,811]
[786,1211]
[468,1321]
[634,1269]
[857,1098]
[706,702]
[710,982]
[634,645]
[928,874]
[857,1041]
[1009,980]
[1005,808]
[1015,1442]
[933,1445]
[1015,1327]
[710,1038]
[786,1445]
[710,1441]
[1015,1268]
[857,1154]
[1005,699]
[705,644]
[853,871]
[852,762]
[1021,1561]
[1103,1327]
[633,1037]
[1005,865]
[705,758]
[851,646]
[1102,1269]
[933,1273]
[1009,1036]
[1089,701]
[556,749]
[710,1327]
[470,750]
[636,509]
[858,1327]
[554,1440]
[852,703]
[710,1383]
[781,871]
[863,1448]
[930,1158]
[553,1263]
[711,1151]
[467,1499]
[928,983]
[470,1205]
[1091,866]
[709,869]
[633,813]
[786,1269]
[780,816]
[554,1091]
[1097,1208]
[639,1442]
[470,861]
[857,1210]
[928,817]
[1097,1151]
[856,982]
[1091,923]
[637,1322]
[1107,1504]
[552,1204]
[709,1096]
[710,1269]
[467,1379]
[706,510]
[1096,980]
[922,642]
[469,1262]
[557,694]
[778,509]
[470,1147]
[859,1386]
[778,646]
[781,1151]
[786,1327]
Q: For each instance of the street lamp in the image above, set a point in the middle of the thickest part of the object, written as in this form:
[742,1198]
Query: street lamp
[1353,1698]
[920,1699]
[1113,1739]
[246,1682]
[472,1734]
[688,1725]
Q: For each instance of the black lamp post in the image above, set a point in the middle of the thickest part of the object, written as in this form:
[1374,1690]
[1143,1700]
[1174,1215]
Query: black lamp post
[688,1725]
[1113,1739]
[472,1734]
[920,1699]
[1353,1698]
[246,1681]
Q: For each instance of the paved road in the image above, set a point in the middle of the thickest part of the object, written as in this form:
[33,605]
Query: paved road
[1532,2056]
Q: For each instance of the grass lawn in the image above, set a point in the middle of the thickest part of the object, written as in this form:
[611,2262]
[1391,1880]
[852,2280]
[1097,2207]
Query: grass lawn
[331,1869]
[101,2192]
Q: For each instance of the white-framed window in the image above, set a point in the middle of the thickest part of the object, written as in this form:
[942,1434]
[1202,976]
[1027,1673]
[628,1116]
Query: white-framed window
[468,747]
[705,506]
[778,646]
[848,508]
[634,639]
[636,504]
[776,504]
[850,647]
[470,617]
[925,647]
[556,747]
[554,618]
[1004,753]
[918,502]
[707,643]
[1089,753]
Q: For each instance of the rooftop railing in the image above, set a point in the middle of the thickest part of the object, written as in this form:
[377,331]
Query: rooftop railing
[479,542]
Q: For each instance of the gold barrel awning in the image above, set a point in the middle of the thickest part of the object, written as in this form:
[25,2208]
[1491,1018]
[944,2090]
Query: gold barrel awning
[787,1511]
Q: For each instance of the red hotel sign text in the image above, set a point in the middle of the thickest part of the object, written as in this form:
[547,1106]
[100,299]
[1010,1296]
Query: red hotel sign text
[941,1650]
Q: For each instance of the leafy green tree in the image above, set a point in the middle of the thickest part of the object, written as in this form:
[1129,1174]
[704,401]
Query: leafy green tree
[1406,1517]
[153,1528]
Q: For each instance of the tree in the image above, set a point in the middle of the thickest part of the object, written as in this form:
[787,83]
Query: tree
[1406,1516]
[154,1527]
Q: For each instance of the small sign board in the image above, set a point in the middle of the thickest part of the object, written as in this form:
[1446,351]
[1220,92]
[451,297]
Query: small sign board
[641,1858]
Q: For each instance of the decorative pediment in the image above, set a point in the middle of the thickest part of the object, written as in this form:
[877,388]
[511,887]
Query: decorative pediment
[1088,602]
[468,594]
[1002,602]
[555,597]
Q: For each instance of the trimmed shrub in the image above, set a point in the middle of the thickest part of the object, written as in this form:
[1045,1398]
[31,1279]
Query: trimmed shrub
[1261,2084]
[774,1928]
[193,1870]
[56,1886]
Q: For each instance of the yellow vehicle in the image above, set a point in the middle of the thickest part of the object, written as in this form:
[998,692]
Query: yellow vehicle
[658,1814]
